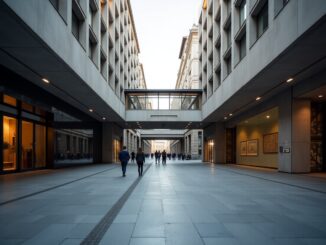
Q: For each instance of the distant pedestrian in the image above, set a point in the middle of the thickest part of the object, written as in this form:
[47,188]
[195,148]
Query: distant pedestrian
[156,157]
[164,157]
[133,157]
[124,159]
[140,159]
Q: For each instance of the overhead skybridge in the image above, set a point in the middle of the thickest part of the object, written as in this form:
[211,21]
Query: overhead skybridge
[163,109]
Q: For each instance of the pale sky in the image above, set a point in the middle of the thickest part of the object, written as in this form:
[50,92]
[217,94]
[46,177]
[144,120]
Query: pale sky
[160,26]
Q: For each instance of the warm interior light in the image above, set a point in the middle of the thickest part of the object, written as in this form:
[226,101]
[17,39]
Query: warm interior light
[268,116]
[289,80]
[45,80]
[230,114]
[321,96]
[205,4]
[258,98]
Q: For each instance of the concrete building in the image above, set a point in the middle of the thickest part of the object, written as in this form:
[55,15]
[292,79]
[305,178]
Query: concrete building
[72,58]
[262,71]
[188,78]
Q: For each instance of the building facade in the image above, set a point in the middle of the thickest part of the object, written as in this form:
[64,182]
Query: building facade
[262,71]
[188,78]
[72,58]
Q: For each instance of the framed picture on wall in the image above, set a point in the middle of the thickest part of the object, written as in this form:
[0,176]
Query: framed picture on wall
[243,148]
[252,147]
[270,144]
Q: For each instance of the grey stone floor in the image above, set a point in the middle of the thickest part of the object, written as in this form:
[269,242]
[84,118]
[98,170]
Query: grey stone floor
[181,203]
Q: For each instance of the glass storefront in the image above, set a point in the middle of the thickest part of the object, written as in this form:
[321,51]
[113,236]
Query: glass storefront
[24,135]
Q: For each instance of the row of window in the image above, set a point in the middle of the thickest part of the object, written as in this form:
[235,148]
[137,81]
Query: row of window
[241,8]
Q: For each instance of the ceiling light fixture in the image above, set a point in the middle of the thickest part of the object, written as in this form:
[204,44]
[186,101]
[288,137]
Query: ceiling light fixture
[268,116]
[103,118]
[230,114]
[258,98]
[320,96]
[225,118]
[90,110]
[45,80]
[289,80]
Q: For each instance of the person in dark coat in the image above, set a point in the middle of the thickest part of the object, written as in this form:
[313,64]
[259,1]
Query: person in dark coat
[164,157]
[133,157]
[140,159]
[124,159]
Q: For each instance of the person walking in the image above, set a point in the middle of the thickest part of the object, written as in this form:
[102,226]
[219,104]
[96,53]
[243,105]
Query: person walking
[156,157]
[164,157]
[133,157]
[124,158]
[140,159]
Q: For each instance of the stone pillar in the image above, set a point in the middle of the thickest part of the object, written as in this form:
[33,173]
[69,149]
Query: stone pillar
[294,135]
[216,132]
[110,131]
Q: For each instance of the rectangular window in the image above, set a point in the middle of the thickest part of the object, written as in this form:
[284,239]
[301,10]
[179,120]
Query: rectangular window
[262,20]
[243,12]
[75,25]
[228,65]
[9,100]
[228,37]
[242,47]
[279,5]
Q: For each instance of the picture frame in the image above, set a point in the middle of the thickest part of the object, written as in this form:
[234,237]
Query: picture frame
[270,143]
[252,147]
[243,148]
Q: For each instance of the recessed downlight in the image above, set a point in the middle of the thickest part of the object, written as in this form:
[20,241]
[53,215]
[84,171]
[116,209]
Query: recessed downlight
[45,80]
[320,96]
[258,98]
[268,116]
[230,114]
[103,118]
[290,80]
[225,118]
[90,110]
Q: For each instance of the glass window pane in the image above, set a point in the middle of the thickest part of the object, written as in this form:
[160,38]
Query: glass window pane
[27,145]
[9,100]
[9,143]
[164,103]
[40,146]
[27,107]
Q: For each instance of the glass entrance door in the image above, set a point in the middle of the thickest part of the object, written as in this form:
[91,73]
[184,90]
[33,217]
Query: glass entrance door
[9,143]
[27,157]
[40,146]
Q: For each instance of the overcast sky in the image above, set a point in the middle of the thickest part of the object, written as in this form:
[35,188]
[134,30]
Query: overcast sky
[160,26]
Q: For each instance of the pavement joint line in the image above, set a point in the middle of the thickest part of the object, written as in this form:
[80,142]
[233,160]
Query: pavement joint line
[274,181]
[53,187]
[96,235]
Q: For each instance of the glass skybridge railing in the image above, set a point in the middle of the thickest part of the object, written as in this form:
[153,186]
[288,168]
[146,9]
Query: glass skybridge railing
[145,99]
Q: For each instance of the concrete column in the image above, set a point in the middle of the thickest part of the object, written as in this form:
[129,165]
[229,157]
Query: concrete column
[110,132]
[294,134]
[216,132]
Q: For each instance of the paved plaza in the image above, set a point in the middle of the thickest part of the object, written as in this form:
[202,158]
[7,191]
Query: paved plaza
[180,203]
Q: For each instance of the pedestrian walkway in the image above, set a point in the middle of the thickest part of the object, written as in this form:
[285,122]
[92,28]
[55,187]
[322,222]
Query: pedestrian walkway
[184,202]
